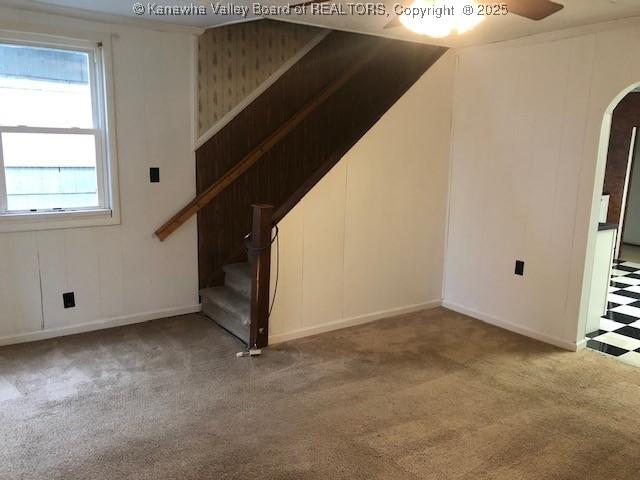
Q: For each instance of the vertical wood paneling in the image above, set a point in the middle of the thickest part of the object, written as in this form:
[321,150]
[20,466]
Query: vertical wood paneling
[323,237]
[532,191]
[119,271]
[20,301]
[523,140]
[289,255]
[352,248]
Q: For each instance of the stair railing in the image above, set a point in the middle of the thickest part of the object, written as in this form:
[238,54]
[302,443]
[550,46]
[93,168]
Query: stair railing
[259,253]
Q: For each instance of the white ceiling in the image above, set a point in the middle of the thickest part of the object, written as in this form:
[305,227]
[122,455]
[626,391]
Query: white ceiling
[575,13]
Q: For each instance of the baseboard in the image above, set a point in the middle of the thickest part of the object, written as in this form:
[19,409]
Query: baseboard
[497,322]
[350,322]
[98,325]
[582,344]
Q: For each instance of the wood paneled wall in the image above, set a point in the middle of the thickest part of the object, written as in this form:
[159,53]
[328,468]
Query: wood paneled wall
[314,145]
[625,116]
[234,60]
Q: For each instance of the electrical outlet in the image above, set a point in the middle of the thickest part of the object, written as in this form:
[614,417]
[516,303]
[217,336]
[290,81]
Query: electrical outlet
[69,300]
[519,267]
[154,175]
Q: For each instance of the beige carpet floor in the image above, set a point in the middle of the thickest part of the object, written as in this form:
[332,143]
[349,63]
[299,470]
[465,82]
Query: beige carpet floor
[432,395]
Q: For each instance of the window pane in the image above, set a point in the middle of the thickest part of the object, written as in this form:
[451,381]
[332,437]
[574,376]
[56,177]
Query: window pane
[46,171]
[44,87]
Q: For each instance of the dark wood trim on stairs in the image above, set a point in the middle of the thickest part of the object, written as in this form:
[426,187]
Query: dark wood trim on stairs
[260,261]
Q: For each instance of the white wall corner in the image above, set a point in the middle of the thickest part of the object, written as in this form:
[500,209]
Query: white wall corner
[501,323]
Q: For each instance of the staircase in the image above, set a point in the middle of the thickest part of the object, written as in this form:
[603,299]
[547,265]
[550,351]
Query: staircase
[275,151]
[229,305]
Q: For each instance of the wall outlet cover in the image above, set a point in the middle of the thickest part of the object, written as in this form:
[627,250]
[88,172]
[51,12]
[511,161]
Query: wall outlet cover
[154,175]
[69,300]
[519,267]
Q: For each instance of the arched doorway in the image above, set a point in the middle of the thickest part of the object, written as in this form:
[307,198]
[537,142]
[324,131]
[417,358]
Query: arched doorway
[612,324]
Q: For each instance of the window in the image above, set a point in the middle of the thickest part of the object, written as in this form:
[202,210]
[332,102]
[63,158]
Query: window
[54,147]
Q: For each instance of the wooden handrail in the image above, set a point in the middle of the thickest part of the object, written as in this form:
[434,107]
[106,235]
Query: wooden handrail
[255,154]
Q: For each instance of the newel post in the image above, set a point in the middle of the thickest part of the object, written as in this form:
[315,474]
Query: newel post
[260,260]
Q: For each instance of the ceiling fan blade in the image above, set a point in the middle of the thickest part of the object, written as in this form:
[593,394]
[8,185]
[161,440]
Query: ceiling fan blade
[533,9]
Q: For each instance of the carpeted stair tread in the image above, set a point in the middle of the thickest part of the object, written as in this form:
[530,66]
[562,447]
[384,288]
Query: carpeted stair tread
[227,299]
[228,309]
[238,277]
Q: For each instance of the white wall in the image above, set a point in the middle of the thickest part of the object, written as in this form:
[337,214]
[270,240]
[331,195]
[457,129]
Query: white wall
[525,148]
[120,273]
[368,240]
[526,172]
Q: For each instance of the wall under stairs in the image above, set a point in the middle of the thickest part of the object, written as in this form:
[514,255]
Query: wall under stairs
[367,241]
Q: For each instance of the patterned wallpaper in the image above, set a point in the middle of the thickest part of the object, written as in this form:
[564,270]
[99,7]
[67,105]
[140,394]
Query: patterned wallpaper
[235,59]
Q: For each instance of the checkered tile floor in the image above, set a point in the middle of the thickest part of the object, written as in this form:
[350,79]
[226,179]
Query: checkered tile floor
[619,333]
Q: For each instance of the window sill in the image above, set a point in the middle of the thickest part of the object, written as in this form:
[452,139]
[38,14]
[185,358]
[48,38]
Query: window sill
[27,222]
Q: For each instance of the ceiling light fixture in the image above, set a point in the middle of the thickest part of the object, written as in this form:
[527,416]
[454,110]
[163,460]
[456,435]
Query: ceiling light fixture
[439,18]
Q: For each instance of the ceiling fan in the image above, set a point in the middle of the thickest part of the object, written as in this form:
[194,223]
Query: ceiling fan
[531,9]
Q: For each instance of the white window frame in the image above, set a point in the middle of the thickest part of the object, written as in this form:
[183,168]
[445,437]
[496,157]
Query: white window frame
[98,47]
